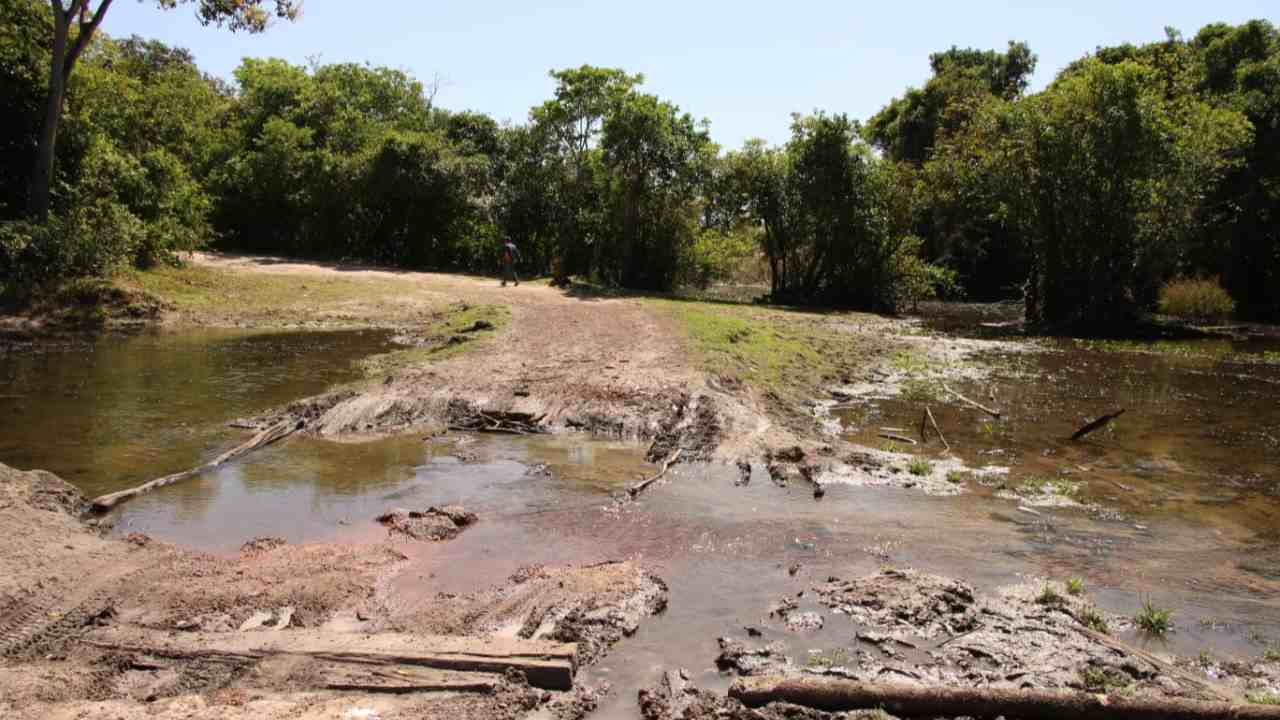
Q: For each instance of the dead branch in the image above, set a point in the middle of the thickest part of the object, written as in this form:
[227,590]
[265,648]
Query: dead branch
[641,486]
[1097,424]
[983,408]
[898,438]
[840,695]
[279,431]
[934,422]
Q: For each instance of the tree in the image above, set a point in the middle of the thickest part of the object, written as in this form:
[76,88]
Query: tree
[74,26]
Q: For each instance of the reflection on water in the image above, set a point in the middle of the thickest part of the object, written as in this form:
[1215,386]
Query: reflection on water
[1200,437]
[118,411]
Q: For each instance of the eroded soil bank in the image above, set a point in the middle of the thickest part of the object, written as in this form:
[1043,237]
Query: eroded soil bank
[787,554]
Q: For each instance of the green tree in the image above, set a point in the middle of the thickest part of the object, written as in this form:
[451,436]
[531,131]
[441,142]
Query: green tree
[74,26]
[1108,180]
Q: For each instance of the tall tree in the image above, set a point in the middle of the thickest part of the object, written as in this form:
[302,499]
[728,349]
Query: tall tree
[74,26]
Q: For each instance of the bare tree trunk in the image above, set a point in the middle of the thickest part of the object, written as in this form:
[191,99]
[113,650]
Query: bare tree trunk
[62,61]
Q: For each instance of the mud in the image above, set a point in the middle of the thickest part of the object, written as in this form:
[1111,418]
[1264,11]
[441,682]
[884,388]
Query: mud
[61,579]
[434,523]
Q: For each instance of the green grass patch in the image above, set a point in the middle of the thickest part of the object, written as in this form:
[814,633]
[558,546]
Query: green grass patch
[1100,680]
[1263,698]
[1271,654]
[909,362]
[918,390]
[1043,485]
[957,477]
[441,338]
[1049,595]
[1154,620]
[1094,620]
[920,467]
[791,355]
[1075,586]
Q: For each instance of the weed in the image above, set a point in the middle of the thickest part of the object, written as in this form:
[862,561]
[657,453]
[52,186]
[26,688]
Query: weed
[1271,654]
[1154,620]
[829,658]
[1205,659]
[1075,586]
[920,467]
[909,362]
[1049,595]
[1041,485]
[917,390]
[1094,620]
[889,446]
[955,477]
[1099,680]
[1263,698]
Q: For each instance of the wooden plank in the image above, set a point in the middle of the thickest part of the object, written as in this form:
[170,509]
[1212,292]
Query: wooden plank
[548,665]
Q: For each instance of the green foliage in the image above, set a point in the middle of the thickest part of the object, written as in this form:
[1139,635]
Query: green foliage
[1271,654]
[1101,680]
[1263,698]
[1196,300]
[1075,586]
[920,467]
[1154,620]
[1049,595]
[1094,620]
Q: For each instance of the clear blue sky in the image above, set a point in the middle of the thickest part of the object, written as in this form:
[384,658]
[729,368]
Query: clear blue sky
[745,66]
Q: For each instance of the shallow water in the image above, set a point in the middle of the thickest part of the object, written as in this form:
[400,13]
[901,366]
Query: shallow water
[1194,531]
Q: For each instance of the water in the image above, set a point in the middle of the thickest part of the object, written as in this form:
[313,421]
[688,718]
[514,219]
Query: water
[1191,470]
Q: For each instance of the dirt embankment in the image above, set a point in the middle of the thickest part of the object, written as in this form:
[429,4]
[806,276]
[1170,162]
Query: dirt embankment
[132,627]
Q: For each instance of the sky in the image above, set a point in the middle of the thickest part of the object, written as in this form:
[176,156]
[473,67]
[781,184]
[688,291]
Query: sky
[746,66]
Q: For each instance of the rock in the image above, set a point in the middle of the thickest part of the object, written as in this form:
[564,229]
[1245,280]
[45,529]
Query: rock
[258,546]
[738,658]
[804,621]
[256,620]
[434,523]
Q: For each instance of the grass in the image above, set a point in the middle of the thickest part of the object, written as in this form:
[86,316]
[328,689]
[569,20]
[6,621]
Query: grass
[1094,620]
[1271,654]
[1196,299]
[920,467]
[216,296]
[1263,698]
[1099,680]
[909,362]
[917,390]
[438,335]
[1075,586]
[1042,485]
[957,477]
[1154,620]
[827,658]
[787,355]
[1049,595]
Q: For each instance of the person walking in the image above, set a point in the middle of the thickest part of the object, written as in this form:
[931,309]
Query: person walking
[510,256]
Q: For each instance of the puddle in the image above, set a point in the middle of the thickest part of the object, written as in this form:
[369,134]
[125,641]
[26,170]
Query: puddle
[118,411]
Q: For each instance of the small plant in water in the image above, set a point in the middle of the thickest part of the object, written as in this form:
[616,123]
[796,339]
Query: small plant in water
[1075,586]
[920,467]
[1154,620]
[1049,595]
[1094,620]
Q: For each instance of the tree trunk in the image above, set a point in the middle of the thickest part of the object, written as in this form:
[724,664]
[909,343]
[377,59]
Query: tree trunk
[42,171]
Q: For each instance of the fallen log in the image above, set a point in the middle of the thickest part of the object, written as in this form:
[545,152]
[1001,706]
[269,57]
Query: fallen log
[983,408]
[279,431]
[547,665]
[909,700]
[402,679]
[898,438]
[641,486]
[1096,424]
[934,422]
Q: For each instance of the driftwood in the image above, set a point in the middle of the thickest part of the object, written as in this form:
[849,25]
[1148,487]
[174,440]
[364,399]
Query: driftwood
[1097,424]
[505,423]
[402,679]
[643,485]
[897,438]
[983,408]
[839,695]
[932,421]
[279,431]
[547,665]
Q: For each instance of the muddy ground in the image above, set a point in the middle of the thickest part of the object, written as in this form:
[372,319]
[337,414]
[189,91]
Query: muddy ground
[608,367]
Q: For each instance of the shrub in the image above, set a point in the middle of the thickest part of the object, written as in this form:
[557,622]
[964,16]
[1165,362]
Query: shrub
[920,467]
[1196,299]
[1094,620]
[1154,620]
[1049,595]
[1075,586]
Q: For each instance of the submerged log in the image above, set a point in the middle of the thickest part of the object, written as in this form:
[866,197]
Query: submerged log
[839,695]
[1097,424]
[983,408]
[934,422]
[643,485]
[279,431]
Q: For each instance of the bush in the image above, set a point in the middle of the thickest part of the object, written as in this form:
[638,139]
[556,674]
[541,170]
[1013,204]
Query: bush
[715,257]
[1196,299]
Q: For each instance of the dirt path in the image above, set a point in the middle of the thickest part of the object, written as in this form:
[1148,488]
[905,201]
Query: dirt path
[611,366]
